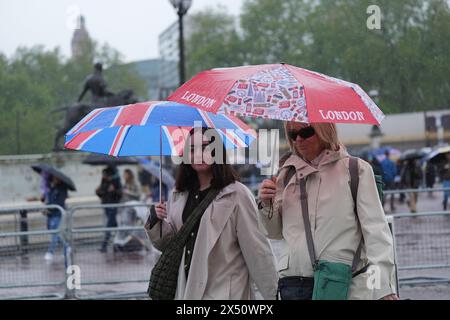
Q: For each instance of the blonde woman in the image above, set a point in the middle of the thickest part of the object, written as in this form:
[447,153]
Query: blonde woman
[320,163]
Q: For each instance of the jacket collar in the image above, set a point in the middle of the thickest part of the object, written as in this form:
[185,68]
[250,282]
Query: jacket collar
[225,191]
[325,158]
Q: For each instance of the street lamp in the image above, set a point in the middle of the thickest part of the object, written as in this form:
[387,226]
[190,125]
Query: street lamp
[375,134]
[182,7]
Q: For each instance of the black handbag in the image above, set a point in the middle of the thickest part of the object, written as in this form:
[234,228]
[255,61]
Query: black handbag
[295,288]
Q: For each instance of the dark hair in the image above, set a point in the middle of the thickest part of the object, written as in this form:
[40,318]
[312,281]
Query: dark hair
[98,66]
[223,174]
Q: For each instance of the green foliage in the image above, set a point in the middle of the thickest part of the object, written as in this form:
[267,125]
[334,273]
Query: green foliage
[35,81]
[213,42]
[407,60]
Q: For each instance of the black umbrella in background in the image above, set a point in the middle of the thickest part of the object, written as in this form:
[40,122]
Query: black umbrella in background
[412,155]
[56,173]
[105,160]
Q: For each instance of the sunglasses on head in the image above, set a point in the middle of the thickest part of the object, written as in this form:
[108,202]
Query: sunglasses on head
[304,133]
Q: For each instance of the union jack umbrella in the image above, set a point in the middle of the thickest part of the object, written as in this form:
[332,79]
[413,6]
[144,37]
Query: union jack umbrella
[151,128]
[134,130]
[279,91]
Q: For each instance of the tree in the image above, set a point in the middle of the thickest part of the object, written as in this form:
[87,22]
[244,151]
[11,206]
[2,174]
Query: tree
[34,81]
[406,61]
[213,41]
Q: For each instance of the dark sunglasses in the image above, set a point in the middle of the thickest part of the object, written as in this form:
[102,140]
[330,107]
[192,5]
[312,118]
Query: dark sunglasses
[304,133]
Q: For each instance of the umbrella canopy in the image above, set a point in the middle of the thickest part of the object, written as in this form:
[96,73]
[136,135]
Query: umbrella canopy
[412,154]
[438,155]
[101,159]
[279,91]
[42,167]
[151,128]
[154,169]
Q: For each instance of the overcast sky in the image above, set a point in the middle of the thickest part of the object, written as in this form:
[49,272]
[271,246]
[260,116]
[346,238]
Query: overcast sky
[131,26]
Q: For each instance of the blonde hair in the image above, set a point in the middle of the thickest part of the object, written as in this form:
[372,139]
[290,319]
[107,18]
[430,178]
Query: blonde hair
[326,132]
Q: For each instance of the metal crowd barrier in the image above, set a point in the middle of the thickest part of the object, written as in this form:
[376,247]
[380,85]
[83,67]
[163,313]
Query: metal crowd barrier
[417,190]
[24,274]
[422,243]
[121,272]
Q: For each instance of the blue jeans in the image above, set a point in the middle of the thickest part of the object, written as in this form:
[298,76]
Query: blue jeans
[111,222]
[53,222]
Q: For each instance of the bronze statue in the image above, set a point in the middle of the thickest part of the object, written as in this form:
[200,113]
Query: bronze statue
[96,84]
[101,97]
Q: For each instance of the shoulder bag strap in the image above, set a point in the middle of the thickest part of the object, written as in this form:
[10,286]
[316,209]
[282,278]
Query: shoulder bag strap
[307,223]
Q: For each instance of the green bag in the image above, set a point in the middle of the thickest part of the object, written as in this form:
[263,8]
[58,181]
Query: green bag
[332,281]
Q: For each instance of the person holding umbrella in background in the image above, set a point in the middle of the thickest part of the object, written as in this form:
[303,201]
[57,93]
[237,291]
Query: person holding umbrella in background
[411,177]
[445,176]
[54,191]
[110,192]
[56,194]
[389,173]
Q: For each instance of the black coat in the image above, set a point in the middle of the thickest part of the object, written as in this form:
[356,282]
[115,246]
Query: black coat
[107,196]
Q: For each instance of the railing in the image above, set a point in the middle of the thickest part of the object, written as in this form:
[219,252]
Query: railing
[23,271]
[119,271]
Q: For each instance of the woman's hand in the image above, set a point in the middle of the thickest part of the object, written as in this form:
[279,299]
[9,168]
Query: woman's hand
[268,190]
[391,297]
[161,211]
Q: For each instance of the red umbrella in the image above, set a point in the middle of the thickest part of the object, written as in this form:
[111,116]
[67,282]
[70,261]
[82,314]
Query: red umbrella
[279,91]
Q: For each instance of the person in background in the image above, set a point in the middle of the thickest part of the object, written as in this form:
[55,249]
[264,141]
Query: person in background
[145,180]
[399,182]
[389,172]
[110,192]
[155,190]
[445,176]
[130,188]
[56,194]
[411,179]
[375,164]
[430,177]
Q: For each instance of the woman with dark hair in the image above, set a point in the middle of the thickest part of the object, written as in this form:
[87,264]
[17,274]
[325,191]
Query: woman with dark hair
[210,225]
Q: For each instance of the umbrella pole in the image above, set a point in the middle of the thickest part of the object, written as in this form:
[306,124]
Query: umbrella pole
[160,175]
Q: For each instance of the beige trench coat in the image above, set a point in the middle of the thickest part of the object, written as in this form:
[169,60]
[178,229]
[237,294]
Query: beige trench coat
[230,249]
[333,222]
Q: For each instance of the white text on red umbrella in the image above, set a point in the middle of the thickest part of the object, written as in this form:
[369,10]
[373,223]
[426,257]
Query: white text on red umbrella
[342,115]
[198,99]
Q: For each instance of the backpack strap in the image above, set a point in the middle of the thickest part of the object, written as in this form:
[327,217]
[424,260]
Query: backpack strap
[307,224]
[354,182]
[290,172]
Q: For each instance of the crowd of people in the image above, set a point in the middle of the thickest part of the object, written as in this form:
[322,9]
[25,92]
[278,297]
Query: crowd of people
[410,174]
[111,191]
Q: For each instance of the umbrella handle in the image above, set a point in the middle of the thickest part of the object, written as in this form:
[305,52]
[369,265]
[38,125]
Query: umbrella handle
[160,175]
